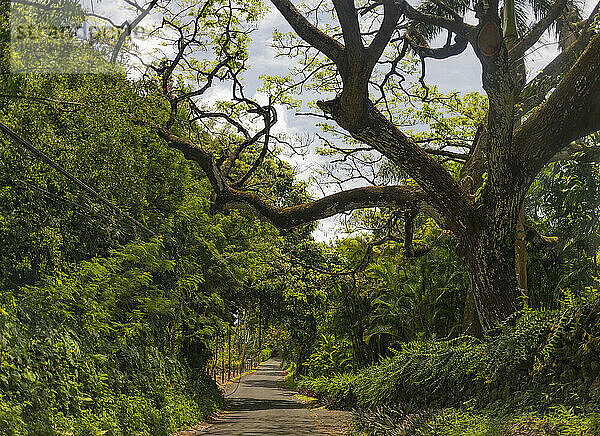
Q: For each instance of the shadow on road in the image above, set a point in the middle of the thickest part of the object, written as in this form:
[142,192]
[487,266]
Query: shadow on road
[253,404]
[265,383]
[261,405]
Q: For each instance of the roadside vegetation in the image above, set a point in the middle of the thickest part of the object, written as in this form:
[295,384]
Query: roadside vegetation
[164,244]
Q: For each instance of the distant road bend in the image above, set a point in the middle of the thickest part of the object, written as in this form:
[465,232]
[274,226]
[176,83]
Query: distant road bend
[261,405]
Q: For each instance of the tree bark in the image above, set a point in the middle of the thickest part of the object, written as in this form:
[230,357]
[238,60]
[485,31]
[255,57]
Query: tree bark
[521,252]
[491,265]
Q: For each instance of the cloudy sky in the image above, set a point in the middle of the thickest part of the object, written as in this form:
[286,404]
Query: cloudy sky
[461,74]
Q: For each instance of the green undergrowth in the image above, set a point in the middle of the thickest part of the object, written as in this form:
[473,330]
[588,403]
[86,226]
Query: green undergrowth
[54,383]
[540,360]
[558,421]
[266,354]
[290,374]
[79,355]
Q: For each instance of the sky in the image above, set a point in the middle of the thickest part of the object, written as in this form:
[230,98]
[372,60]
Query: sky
[461,74]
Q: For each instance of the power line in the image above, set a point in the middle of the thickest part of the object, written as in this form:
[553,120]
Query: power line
[47,159]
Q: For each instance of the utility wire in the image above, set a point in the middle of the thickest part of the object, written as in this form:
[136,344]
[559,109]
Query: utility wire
[47,159]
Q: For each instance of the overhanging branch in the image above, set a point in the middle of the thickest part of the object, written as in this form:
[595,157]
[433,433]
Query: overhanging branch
[536,32]
[571,112]
[226,197]
[536,90]
[309,33]
[459,46]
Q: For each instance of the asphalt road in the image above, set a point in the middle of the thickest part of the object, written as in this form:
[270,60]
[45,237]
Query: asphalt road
[261,405]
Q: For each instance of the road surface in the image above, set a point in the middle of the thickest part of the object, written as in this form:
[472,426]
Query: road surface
[261,405]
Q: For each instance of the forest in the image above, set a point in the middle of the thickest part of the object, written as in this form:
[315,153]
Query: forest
[158,237]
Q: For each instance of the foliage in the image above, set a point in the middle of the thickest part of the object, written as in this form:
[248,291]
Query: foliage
[527,364]
[329,357]
[265,354]
[458,422]
[337,390]
[83,353]
[101,332]
[563,203]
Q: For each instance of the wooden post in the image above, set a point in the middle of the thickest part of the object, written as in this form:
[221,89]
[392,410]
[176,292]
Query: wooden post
[222,359]
[228,352]
[243,362]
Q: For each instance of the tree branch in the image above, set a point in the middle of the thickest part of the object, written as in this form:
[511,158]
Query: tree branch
[580,153]
[518,51]
[226,197]
[197,154]
[449,154]
[571,112]
[270,118]
[309,33]
[461,28]
[444,193]
[539,241]
[128,28]
[459,46]
[348,18]
[536,90]
[391,14]
[402,197]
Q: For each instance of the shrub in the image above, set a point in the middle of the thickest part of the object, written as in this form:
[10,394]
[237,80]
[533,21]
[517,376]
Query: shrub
[542,358]
[265,354]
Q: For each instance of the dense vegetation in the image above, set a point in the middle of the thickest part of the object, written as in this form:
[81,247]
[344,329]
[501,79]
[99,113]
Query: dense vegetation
[108,327]
[105,328]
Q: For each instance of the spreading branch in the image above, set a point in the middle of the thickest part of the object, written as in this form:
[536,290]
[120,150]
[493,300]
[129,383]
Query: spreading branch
[226,197]
[527,41]
[392,13]
[331,48]
[348,18]
[571,112]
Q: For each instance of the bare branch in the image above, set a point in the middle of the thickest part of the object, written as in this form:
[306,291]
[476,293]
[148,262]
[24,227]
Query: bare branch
[459,46]
[450,154]
[127,28]
[270,118]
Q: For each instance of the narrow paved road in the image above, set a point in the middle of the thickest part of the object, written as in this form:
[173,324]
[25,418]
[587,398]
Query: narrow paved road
[261,405]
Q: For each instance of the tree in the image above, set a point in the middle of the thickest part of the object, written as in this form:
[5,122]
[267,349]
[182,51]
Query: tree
[481,205]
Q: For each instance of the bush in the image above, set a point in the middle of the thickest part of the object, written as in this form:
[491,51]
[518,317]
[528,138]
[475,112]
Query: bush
[331,356]
[394,421]
[265,354]
[336,391]
[80,355]
[543,358]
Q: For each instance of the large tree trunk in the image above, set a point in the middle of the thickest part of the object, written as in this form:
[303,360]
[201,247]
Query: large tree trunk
[490,259]
[493,283]
[521,253]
